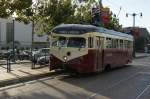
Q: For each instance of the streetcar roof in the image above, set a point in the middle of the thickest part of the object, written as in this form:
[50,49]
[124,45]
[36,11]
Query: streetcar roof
[77,29]
[74,27]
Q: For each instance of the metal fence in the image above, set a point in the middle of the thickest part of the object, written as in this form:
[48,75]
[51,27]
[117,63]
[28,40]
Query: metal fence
[37,56]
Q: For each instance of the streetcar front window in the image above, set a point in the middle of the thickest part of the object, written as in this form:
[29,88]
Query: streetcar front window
[76,42]
[69,42]
[60,42]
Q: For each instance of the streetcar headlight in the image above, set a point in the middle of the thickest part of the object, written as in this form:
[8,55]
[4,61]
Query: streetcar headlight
[65,58]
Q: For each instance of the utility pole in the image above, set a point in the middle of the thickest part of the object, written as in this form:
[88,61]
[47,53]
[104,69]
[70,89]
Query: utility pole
[30,14]
[13,40]
[0,35]
[32,40]
[134,15]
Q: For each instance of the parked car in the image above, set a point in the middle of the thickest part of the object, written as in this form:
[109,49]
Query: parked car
[7,53]
[43,60]
[25,55]
[41,52]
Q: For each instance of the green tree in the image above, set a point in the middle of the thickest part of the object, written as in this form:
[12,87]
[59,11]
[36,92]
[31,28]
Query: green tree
[83,10]
[83,14]
[114,23]
[9,7]
[5,8]
[54,12]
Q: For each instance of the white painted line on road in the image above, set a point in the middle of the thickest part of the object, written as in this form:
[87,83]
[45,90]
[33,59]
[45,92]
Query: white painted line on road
[147,73]
[91,96]
[143,92]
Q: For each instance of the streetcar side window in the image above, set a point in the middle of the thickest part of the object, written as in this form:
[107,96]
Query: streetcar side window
[130,44]
[121,43]
[102,42]
[98,42]
[108,43]
[90,42]
[114,43]
[126,44]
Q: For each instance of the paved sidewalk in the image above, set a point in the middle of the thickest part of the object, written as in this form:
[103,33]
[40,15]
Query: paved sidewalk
[141,55]
[21,73]
[4,62]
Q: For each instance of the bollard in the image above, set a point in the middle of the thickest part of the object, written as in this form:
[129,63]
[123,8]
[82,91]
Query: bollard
[8,65]
[45,59]
[33,62]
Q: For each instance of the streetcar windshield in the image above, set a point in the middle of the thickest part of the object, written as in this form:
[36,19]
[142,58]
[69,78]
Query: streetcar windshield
[59,42]
[76,42]
[69,42]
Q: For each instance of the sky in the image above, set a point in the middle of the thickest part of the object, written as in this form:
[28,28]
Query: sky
[130,6]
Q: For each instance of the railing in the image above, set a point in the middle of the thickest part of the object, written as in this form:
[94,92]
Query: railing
[39,61]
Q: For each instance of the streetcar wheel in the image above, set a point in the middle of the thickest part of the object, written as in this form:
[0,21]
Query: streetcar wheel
[108,67]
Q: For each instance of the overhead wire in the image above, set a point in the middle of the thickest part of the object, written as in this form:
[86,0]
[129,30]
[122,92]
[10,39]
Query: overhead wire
[116,5]
[122,9]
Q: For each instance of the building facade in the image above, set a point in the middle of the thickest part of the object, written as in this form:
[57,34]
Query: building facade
[20,32]
[141,36]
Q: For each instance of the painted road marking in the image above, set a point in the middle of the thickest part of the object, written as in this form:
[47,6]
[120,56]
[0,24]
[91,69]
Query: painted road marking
[143,92]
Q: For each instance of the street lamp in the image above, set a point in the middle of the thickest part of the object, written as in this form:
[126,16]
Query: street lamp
[134,15]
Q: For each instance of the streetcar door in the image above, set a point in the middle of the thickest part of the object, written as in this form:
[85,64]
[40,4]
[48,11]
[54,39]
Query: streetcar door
[99,53]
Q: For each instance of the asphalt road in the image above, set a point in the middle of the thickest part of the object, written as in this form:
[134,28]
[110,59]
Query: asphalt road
[129,82]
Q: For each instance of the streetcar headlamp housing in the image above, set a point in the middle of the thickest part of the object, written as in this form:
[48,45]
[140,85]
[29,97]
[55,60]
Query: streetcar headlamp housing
[65,58]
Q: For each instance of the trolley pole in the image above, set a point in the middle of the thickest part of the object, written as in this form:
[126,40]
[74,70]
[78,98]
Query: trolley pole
[134,15]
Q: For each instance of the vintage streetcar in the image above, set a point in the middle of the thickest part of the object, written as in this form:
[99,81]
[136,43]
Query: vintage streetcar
[87,48]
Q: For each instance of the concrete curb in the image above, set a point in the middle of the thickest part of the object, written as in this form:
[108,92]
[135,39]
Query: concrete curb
[138,57]
[15,63]
[25,79]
